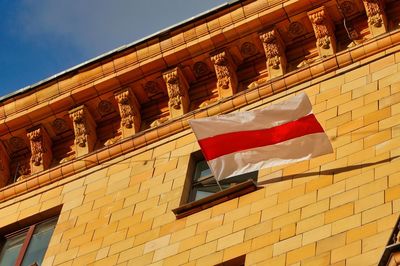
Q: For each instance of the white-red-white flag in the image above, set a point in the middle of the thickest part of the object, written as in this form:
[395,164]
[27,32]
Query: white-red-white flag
[243,142]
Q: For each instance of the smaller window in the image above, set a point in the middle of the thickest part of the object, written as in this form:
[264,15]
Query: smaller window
[27,247]
[204,183]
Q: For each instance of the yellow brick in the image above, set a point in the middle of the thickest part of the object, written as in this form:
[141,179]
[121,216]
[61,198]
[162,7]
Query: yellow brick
[258,229]
[328,94]
[224,207]
[310,223]
[389,122]
[246,222]
[219,232]
[376,95]
[301,253]
[316,208]
[346,224]
[387,222]
[302,201]
[182,234]
[285,219]
[338,100]
[230,240]
[351,105]
[147,236]
[263,204]
[337,121]
[237,214]
[331,243]
[376,213]
[198,217]
[387,71]
[259,255]
[140,261]
[203,250]
[278,187]
[320,182]
[237,250]
[134,252]
[329,191]
[345,252]
[376,241]
[361,91]
[317,234]
[178,259]
[211,259]
[387,169]
[192,242]
[287,231]
[364,131]
[361,156]
[320,260]
[165,252]
[121,246]
[328,114]
[366,258]
[392,193]
[369,202]
[209,224]
[252,197]
[339,213]
[357,83]
[358,180]
[140,228]
[287,245]
[361,232]
[287,195]
[349,148]
[331,83]
[275,211]
[373,187]
[265,240]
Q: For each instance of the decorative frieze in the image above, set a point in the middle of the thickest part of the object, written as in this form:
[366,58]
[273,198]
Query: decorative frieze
[41,154]
[225,70]
[84,130]
[377,20]
[324,31]
[129,110]
[275,52]
[177,88]
[4,166]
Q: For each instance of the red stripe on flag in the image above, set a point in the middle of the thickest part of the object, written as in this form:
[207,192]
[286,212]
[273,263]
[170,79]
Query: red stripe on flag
[223,144]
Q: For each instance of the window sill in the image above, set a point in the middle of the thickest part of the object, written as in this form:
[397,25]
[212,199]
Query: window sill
[217,198]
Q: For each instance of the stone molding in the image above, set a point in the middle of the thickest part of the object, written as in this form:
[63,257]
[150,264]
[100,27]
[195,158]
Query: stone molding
[84,130]
[129,110]
[41,153]
[225,70]
[274,49]
[177,88]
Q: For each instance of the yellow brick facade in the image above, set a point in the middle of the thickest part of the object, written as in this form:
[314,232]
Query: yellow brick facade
[337,209]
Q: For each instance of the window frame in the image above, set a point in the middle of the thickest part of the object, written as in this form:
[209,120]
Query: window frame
[30,230]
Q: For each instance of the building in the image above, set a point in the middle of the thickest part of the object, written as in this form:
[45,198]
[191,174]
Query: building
[100,167]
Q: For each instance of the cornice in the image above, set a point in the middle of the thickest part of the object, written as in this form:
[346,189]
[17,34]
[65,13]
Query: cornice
[316,72]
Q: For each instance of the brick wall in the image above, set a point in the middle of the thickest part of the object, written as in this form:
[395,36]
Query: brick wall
[337,209]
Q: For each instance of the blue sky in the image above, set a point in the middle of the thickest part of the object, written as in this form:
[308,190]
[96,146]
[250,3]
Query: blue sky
[40,38]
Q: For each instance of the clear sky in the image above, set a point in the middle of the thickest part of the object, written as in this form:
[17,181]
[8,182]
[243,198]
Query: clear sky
[40,38]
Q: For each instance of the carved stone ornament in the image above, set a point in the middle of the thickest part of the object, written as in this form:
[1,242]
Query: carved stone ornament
[59,125]
[23,171]
[105,108]
[274,51]
[16,143]
[323,30]
[152,89]
[129,111]
[200,69]
[41,154]
[248,49]
[4,166]
[376,16]
[296,29]
[84,130]
[348,8]
[177,88]
[226,73]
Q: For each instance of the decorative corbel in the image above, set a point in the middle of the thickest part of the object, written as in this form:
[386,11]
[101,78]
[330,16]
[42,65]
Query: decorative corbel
[84,130]
[177,87]
[129,110]
[377,20]
[324,31]
[274,49]
[41,154]
[225,70]
[4,166]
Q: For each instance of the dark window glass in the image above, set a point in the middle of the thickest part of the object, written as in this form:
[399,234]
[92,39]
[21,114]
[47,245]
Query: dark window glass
[204,183]
[27,246]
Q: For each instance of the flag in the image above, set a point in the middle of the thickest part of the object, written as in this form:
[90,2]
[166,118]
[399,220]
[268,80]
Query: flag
[243,142]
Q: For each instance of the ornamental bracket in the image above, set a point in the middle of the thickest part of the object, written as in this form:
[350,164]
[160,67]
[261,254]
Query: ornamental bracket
[4,166]
[84,130]
[41,153]
[177,87]
[324,31]
[225,70]
[274,49]
[129,110]
[377,20]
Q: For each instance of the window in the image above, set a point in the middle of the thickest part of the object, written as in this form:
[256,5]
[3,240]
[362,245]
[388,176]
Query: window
[204,184]
[27,247]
